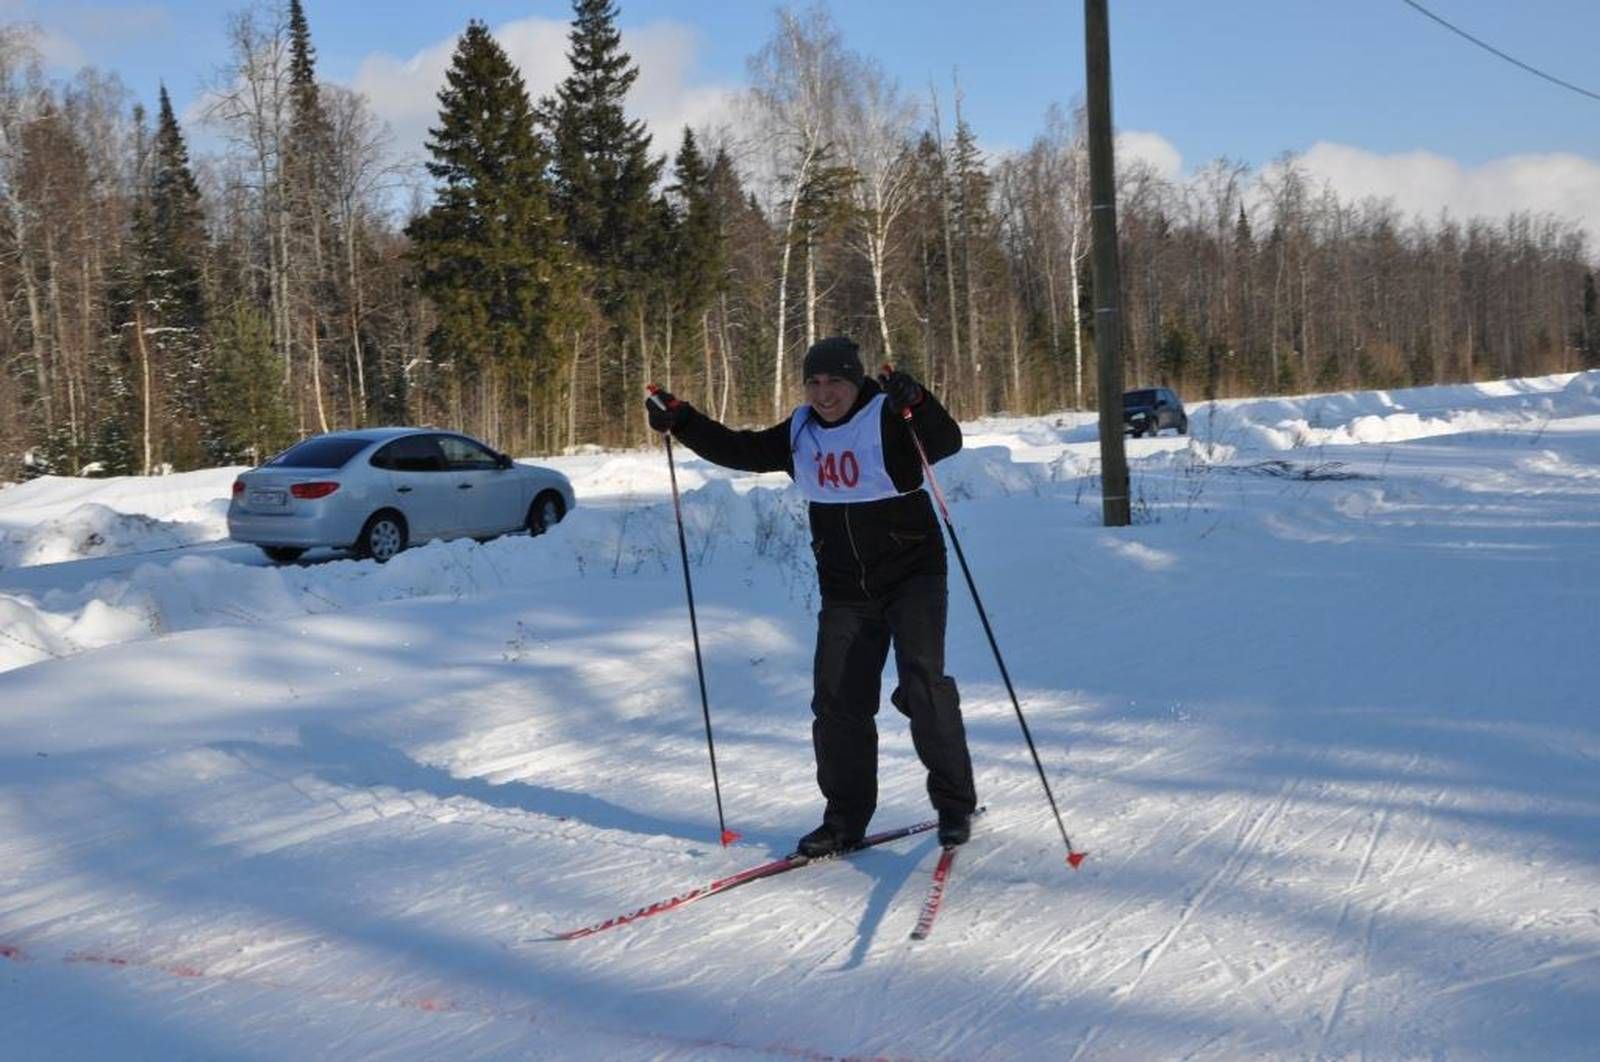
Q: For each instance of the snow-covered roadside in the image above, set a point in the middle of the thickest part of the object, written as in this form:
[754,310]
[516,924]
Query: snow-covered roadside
[627,532]
[1323,719]
[55,518]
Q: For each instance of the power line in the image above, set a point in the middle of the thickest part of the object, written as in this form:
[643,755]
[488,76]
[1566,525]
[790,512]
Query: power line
[1510,59]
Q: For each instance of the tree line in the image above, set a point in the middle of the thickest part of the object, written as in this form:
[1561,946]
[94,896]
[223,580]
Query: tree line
[165,312]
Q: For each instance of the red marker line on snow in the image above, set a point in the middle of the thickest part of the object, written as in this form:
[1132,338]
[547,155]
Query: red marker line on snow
[425,1004]
[95,959]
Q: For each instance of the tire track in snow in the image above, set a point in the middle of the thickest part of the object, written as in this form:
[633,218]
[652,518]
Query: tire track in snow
[1243,848]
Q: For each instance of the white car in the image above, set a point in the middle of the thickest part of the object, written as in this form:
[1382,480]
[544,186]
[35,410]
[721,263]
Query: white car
[378,490]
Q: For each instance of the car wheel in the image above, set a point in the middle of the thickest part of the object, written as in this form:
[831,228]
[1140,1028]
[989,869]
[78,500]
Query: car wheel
[383,536]
[545,512]
[1183,426]
[282,554]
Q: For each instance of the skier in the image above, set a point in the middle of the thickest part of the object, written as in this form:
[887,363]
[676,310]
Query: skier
[881,569]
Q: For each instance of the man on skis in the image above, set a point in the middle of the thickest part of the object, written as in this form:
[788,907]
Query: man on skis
[881,568]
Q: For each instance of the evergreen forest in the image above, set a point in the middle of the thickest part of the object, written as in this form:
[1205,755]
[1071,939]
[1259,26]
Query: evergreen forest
[161,311]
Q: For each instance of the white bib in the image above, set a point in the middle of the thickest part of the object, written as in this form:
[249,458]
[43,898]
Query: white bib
[842,463]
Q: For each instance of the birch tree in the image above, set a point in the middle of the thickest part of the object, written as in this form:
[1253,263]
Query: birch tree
[28,358]
[357,175]
[875,138]
[251,105]
[796,80]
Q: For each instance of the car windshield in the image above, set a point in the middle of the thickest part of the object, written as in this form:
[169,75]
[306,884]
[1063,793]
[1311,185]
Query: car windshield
[1134,399]
[322,452]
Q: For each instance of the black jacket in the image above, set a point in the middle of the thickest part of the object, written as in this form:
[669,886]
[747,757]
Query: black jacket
[863,549]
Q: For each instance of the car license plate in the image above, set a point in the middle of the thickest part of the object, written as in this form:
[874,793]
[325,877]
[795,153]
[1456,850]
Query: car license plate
[270,499]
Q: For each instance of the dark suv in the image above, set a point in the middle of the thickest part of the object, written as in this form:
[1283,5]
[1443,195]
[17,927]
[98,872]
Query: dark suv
[1149,409]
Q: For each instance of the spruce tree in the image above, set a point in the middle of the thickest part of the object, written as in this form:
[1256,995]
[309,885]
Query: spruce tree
[695,255]
[116,439]
[177,232]
[603,169]
[305,188]
[1242,341]
[112,447]
[488,253]
[302,60]
[309,130]
[255,419]
[935,276]
[161,310]
[974,222]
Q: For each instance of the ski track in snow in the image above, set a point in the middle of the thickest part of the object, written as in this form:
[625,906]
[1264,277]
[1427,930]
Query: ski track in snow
[1242,849]
[1329,743]
[1359,974]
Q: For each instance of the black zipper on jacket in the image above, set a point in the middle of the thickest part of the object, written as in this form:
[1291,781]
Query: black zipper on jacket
[850,535]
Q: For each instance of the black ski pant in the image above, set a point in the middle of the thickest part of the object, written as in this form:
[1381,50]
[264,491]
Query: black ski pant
[853,641]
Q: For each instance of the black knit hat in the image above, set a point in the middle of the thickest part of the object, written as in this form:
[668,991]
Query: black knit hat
[837,356]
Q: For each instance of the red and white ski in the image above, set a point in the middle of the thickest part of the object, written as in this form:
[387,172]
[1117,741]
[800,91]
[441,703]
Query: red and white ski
[733,881]
[935,898]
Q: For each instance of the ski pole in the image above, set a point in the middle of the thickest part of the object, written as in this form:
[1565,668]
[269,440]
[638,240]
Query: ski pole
[728,836]
[1074,857]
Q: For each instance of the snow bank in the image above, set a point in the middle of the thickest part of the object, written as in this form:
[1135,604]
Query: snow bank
[94,530]
[58,518]
[631,529]
[194,592]
[1368,417]
[29,634]
[1580,397]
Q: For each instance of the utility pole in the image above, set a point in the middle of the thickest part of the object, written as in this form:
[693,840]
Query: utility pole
[1115,509]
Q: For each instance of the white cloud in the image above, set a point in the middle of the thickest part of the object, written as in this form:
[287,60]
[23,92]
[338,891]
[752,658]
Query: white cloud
[1422,183]
[404,92]
[58,51]
[1152,149]
[69,38]
[665,53]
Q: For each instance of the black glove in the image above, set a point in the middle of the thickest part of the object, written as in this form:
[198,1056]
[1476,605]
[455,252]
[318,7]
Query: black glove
[664,411]
[902,390]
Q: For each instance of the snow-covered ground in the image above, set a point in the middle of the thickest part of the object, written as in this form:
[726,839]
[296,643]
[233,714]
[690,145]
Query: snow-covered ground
[1325,719]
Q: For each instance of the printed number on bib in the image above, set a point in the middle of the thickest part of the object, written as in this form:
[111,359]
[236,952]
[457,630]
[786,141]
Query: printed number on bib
[838,470]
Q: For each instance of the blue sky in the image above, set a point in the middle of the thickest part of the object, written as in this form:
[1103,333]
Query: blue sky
[1393,98]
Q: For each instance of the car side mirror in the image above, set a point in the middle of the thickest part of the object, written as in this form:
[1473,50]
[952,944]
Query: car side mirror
[502,460]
